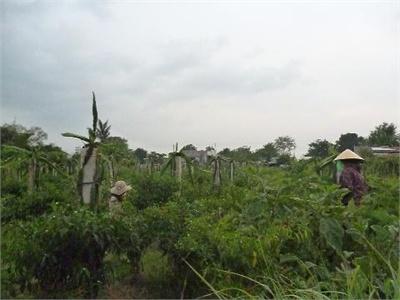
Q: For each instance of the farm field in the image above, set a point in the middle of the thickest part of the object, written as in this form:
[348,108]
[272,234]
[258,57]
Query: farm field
[199,149]
[266,231]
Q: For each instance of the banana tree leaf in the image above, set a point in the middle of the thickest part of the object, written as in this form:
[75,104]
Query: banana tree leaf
[189,164]
[167,164]
[50,164]
[94,112]
[76,136]
[333,232]
[15,149]
[12,161]
[326,161]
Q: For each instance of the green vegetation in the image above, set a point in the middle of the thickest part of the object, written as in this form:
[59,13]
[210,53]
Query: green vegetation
[266,232]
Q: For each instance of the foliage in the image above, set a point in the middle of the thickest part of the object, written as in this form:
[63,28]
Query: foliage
[54,255]
[140,154]
[266,153]
[241,154]
[153,190]
[28,206]
[103,130]
[383,166]
[384,135]
[17,135]
[285,144]
[189,147]
[117,148]
[319,148]
[270,233]
[349,141]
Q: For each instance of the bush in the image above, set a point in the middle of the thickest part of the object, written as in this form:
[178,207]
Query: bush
[154,190]
[29,206]
[59,254]
[383,166]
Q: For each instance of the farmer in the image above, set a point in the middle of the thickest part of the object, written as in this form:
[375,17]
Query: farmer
[118,192]
[351,177]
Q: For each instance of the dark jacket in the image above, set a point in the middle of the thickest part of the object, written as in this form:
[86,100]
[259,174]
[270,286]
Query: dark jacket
[352,179]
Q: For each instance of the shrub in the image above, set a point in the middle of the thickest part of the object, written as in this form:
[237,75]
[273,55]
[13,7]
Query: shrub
[56,254]
[154,190]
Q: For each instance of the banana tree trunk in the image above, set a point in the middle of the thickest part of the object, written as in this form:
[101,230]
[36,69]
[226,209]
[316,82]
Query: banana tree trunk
[178,168]
[111,171]
[217,173]
[88,182]
[232,169]
[31,175]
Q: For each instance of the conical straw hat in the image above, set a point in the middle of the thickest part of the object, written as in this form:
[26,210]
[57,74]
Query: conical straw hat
[120,187]
[348,154]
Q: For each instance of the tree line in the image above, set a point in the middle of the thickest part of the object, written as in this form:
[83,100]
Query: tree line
[282,147]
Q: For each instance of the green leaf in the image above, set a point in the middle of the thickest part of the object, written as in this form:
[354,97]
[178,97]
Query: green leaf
[49,163]
[15,149]
[168,164]
[326,161]
[94,112]
[333,232]
[287,258]
[76,136]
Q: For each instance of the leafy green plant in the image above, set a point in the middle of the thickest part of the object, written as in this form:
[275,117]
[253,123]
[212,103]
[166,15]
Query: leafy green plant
[55,254]
[88,180]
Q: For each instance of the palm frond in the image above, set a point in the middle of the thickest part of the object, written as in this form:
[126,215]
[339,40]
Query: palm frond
[76,136]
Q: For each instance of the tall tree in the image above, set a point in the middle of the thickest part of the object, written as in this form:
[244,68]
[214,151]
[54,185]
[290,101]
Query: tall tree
[225,152]
[266,153]
[103,130]
[319,148]
[384,135]
[189,147]
[140,154]
[17,135]
[285,144]
[348,141]
[241,154]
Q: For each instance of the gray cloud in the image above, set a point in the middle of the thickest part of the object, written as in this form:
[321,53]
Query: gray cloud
[229,74]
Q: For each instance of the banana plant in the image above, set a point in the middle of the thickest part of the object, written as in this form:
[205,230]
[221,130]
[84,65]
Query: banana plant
[34,157]
[216,162]
[175,164]
[88,179]
[231,169]
[328,161]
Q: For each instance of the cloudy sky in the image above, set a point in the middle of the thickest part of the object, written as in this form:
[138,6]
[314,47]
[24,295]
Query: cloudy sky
[225,73]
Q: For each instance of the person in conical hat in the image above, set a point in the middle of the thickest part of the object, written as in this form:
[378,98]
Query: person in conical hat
[118,192]
[345,155]
[351,177]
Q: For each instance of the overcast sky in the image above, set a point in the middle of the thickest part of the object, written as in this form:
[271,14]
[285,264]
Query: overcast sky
[230,74]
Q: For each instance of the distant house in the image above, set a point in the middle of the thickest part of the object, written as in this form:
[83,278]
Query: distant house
[201,156]
[379,151]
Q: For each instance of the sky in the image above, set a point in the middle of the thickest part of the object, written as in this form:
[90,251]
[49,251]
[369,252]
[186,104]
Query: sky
[224,73]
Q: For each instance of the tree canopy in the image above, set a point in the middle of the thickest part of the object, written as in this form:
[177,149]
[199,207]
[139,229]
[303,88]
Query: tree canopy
[349,141]
[384,135]
[285,144]
[319,148]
